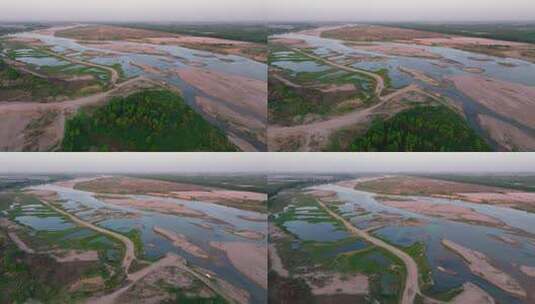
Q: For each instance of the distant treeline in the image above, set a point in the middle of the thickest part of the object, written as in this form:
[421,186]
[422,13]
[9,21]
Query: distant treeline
[518,32]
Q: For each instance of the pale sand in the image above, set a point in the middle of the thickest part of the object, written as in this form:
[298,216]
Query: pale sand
[72,182]
[528,270]
[248,234]
[160,206]
[419,75]
[458,40]
[326,284]
[451,212]
[220,195]
[472,294]
[246,93]
[298,43]
[182,242]
[480,265]
[399,50]
[500,198]
[509,137]
[276,262]
[254,218]
[76,256]
[92,284]
[248,258]
[512,100]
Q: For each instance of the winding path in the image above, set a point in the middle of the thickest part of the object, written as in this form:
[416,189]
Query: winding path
[411,283]
[129,255]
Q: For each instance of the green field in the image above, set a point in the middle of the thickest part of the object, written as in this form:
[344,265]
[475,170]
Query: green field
[152,120]
[421,129]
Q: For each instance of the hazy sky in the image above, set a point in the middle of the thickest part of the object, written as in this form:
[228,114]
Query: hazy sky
[137,10]
[261,10]
[265,162]
[402,10]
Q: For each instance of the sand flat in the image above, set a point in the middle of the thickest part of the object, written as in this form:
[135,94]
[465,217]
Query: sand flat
[248,258]
[480,265]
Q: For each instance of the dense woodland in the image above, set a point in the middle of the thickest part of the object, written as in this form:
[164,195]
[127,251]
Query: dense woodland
[153,120]
[421,129]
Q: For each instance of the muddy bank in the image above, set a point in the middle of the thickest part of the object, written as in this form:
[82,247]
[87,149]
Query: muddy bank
[450,212]
[248,258]
[160,206]
[480,265]
[472,294]
[182,242]
[511,100]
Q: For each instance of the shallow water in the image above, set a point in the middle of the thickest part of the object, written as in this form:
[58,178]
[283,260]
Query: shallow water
[455,61]
[156,246]
[481,238]
[176,58]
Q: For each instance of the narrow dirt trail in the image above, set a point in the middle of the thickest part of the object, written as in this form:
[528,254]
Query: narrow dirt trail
[129,255]
[113,72]
[380,83]
[411,283]
[322,129]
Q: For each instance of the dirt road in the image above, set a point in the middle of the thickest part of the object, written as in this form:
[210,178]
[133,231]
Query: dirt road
[322,129]
[378,79]
[129,255]
[411,283]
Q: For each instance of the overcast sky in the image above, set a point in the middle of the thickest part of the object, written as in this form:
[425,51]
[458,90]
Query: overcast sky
[265,162]
[261,10]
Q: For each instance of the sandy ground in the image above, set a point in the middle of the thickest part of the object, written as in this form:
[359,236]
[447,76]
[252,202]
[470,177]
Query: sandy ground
[92,284]
[20,243]
[399,50]
[419,75]
[160,206]
[450,212]
[472,294]
[248,234]
[411,287]
[77,256]
[133,185]
[255,218]
[17,116]
[245,96]
[276,262]
[503,198]
[512,100]
[509,137]
[215,195]
[528,270]
[376,33]
[323,284]
[411,185]
[298,43]
[239,101]
[459,40]
[182,242]
[72,182]
[107,33]
[248,258]
[314,136]
[354,182]
[480,265]
[129,254]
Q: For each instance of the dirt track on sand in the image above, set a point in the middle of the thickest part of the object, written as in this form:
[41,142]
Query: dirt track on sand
[17,117]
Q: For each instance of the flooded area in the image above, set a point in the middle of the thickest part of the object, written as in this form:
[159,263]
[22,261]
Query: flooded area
[506,247]
[219,225]
[170,64]
[436,69]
